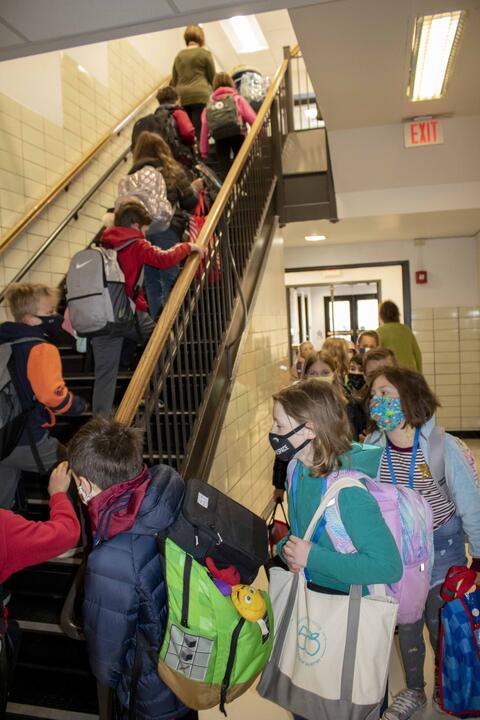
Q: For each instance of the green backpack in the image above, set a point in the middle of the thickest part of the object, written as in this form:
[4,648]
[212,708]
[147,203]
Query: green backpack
[210,654]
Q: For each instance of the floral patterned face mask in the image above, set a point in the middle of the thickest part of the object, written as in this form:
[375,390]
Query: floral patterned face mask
[386,412]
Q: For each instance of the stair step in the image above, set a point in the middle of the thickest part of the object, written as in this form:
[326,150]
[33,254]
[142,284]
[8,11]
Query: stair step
[61,691]
[20,711]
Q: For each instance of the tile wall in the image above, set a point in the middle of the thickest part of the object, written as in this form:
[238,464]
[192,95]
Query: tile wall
[244,459]
[35,153]
[450,342]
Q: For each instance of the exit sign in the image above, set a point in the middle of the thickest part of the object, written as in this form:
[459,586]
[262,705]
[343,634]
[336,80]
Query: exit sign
[421,132]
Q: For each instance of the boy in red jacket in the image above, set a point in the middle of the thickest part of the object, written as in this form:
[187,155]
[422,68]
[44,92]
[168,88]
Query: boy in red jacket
[24,542]
[131,222]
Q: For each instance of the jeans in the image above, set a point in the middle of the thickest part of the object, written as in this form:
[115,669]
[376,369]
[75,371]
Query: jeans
[159,283]
[449,550]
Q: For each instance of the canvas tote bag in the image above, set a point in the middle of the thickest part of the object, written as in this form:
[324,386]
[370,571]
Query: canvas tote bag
[331,652]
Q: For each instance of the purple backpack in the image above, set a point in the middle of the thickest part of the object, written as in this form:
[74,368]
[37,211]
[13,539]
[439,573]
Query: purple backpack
[409,519]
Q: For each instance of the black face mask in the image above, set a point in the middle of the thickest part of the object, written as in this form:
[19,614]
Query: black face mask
[284,450]
[51,324]
[356,380]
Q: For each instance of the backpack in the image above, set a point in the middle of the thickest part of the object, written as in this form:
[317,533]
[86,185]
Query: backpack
[252,87]
[223,119]
[147,187]
[216,641]
[13,418]
[149,123]
[167,128]
[409,518]
[96,298]
[212,526]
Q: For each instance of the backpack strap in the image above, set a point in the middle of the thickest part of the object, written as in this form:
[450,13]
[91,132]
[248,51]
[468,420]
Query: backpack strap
[28,426]
[138,285]
[331,494]
[436,454]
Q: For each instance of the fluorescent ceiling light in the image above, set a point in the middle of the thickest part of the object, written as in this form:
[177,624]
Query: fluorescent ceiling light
[315,238]
[435,42]
[83,70]
[245,33]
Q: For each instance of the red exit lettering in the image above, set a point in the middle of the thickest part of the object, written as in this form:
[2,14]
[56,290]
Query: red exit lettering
[423,132]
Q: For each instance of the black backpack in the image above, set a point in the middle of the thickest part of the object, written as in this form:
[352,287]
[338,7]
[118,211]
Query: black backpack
[167,128]
[149,123]
[211,524]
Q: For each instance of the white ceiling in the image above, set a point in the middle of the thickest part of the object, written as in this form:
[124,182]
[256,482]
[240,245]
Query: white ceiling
[28,27]
[464,223]
[357,54]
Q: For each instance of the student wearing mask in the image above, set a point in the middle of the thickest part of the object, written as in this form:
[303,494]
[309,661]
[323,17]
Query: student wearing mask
[367,341]
[402,409]
[322,366]
[36,369]
[310,427]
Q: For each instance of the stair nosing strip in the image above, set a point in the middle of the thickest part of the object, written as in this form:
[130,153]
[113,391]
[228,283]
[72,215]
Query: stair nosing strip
[49,713]
[40,626]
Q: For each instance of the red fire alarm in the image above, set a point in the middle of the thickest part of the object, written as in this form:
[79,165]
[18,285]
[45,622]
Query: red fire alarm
[421,277]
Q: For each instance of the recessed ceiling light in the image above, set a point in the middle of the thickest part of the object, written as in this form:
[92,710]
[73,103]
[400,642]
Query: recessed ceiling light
[315,238]
[245,33]
[435,42]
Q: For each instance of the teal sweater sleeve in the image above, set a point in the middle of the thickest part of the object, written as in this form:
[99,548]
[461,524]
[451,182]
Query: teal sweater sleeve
[377,559]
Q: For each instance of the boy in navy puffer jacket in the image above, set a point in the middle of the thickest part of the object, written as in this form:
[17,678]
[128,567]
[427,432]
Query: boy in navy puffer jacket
[125,592]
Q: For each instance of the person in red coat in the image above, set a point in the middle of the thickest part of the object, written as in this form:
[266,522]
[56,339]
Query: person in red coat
[130,223]
[25,542]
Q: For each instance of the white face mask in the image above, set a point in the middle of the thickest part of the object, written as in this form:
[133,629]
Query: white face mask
[322,378]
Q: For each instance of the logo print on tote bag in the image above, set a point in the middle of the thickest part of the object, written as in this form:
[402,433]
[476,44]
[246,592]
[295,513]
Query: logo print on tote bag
[311,642]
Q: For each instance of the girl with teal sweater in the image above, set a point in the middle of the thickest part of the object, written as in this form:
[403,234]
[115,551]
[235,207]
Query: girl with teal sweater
[310,426]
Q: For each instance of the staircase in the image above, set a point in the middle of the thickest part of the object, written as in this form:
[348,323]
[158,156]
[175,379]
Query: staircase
[178,394]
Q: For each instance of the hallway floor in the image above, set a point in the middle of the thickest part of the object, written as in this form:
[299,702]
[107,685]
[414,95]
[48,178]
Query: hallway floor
[253,707]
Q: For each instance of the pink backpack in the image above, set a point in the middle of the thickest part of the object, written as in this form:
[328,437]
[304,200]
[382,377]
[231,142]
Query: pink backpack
[409,519]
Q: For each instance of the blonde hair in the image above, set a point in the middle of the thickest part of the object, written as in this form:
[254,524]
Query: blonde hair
[151,146]
[338,349]
[194,33]
[23,298]
[322,407]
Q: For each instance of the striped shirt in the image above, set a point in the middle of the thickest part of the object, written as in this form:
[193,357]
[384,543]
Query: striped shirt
[442,508]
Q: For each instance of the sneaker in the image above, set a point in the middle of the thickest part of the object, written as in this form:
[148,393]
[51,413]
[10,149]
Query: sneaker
[405,705]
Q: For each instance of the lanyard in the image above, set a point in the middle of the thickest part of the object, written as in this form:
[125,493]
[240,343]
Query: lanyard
[412,460]
[293,501]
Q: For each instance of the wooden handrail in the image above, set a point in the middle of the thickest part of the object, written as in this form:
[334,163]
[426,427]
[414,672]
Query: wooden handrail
[75,170]
[144,370]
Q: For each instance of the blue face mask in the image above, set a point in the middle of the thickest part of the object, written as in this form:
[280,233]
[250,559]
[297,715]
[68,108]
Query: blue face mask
[386,412]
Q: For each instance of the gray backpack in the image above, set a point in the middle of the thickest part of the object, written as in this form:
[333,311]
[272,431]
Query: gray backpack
[222,118]
[96,298]
[13,419]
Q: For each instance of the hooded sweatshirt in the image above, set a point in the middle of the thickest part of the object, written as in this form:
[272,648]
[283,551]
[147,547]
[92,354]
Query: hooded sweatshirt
[138,254]
[244,110]
[125,591]
[36,367]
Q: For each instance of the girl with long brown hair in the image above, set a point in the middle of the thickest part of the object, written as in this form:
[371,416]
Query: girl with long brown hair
[157,177]
[311,430]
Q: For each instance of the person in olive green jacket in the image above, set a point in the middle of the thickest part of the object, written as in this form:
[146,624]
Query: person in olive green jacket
[398,337]
[192,75]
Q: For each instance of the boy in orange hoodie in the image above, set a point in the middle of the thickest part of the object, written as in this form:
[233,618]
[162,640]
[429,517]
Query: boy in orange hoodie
[36,369]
